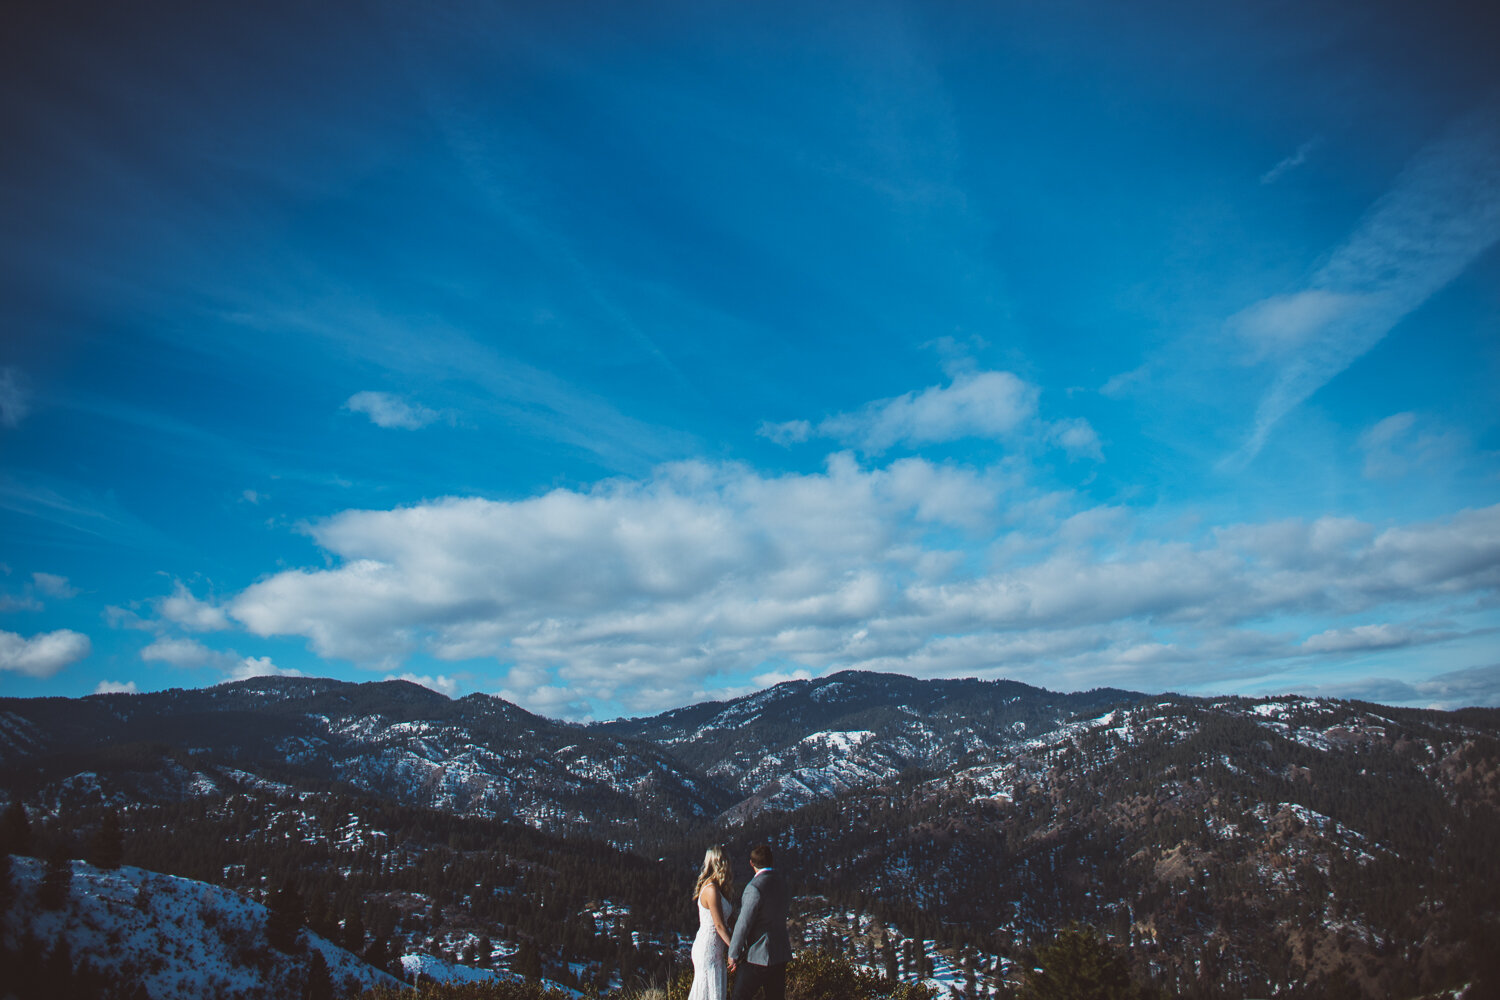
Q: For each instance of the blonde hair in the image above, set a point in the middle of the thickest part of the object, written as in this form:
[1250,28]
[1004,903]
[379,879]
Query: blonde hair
[716,870]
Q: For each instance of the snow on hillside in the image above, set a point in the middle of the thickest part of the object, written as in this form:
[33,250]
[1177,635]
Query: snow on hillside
[18,736]
[429,968]
[183,939]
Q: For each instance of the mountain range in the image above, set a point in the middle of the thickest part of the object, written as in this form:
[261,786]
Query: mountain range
[781,748]
[1232,847]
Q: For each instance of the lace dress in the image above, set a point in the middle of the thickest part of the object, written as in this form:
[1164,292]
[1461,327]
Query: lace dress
[710,957]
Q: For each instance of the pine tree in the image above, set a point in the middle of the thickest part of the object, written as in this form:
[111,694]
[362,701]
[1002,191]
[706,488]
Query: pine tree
[108,847]
[57,971]
[378,953]
[528,961]
[57,880]
[354,932]
[15,830]
[1080,965]
[25,973]
[320,920]
[284,919]
[319,984]
[89,981]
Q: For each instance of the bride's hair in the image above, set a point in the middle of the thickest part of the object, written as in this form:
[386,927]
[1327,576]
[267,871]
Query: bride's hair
[716,870]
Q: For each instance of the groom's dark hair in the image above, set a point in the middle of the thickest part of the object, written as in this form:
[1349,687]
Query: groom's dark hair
[761,856]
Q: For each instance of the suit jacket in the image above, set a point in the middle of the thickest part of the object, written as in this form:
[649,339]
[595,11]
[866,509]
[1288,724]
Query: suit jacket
[760,936]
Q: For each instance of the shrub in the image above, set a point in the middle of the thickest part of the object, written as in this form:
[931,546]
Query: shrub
[57,882]
[821,976]
[1078,964]
[501,990]
[815,976]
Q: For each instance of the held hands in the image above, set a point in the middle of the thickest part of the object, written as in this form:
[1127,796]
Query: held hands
[732,964]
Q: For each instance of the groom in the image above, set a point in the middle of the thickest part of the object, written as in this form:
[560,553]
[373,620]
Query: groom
[760,937]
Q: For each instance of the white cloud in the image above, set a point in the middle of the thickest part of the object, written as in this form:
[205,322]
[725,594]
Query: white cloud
[977,404]
[1120,385]
[119,617]
[1283,326]
[701,562]
[13,402]
[187,654]
[989,404]
[529,688]
[190,654]
[53,585]
[184,609]
[44,654]
[1442,213]
[1078,438]
[789,432]
[1360,638]
[49,584]
[1387,431]
[1453,689]
[115,687]
[259,666]
[1461,688]
[25,602]
[774,677]
[642,591]
[1400,444]
[386,410]
[442,683]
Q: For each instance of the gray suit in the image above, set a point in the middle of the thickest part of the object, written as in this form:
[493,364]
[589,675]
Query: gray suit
[760,936]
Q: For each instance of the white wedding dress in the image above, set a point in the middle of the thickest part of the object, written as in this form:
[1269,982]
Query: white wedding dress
[710,957]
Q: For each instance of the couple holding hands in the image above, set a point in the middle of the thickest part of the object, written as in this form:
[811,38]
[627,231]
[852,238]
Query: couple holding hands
[758,949]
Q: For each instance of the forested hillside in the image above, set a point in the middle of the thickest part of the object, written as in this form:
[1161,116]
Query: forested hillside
[943,832]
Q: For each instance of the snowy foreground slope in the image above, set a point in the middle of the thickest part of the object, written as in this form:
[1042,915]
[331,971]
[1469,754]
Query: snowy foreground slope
[184,940]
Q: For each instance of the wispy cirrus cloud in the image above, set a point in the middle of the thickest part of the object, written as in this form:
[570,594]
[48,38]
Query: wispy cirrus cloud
[14,401]
[1401,443]
[1442,213]
[1289,163]
[85,511]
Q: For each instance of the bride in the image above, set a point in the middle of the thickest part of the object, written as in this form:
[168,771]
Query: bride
[711,946]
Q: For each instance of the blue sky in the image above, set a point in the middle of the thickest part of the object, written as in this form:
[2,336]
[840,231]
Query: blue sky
[615,357]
